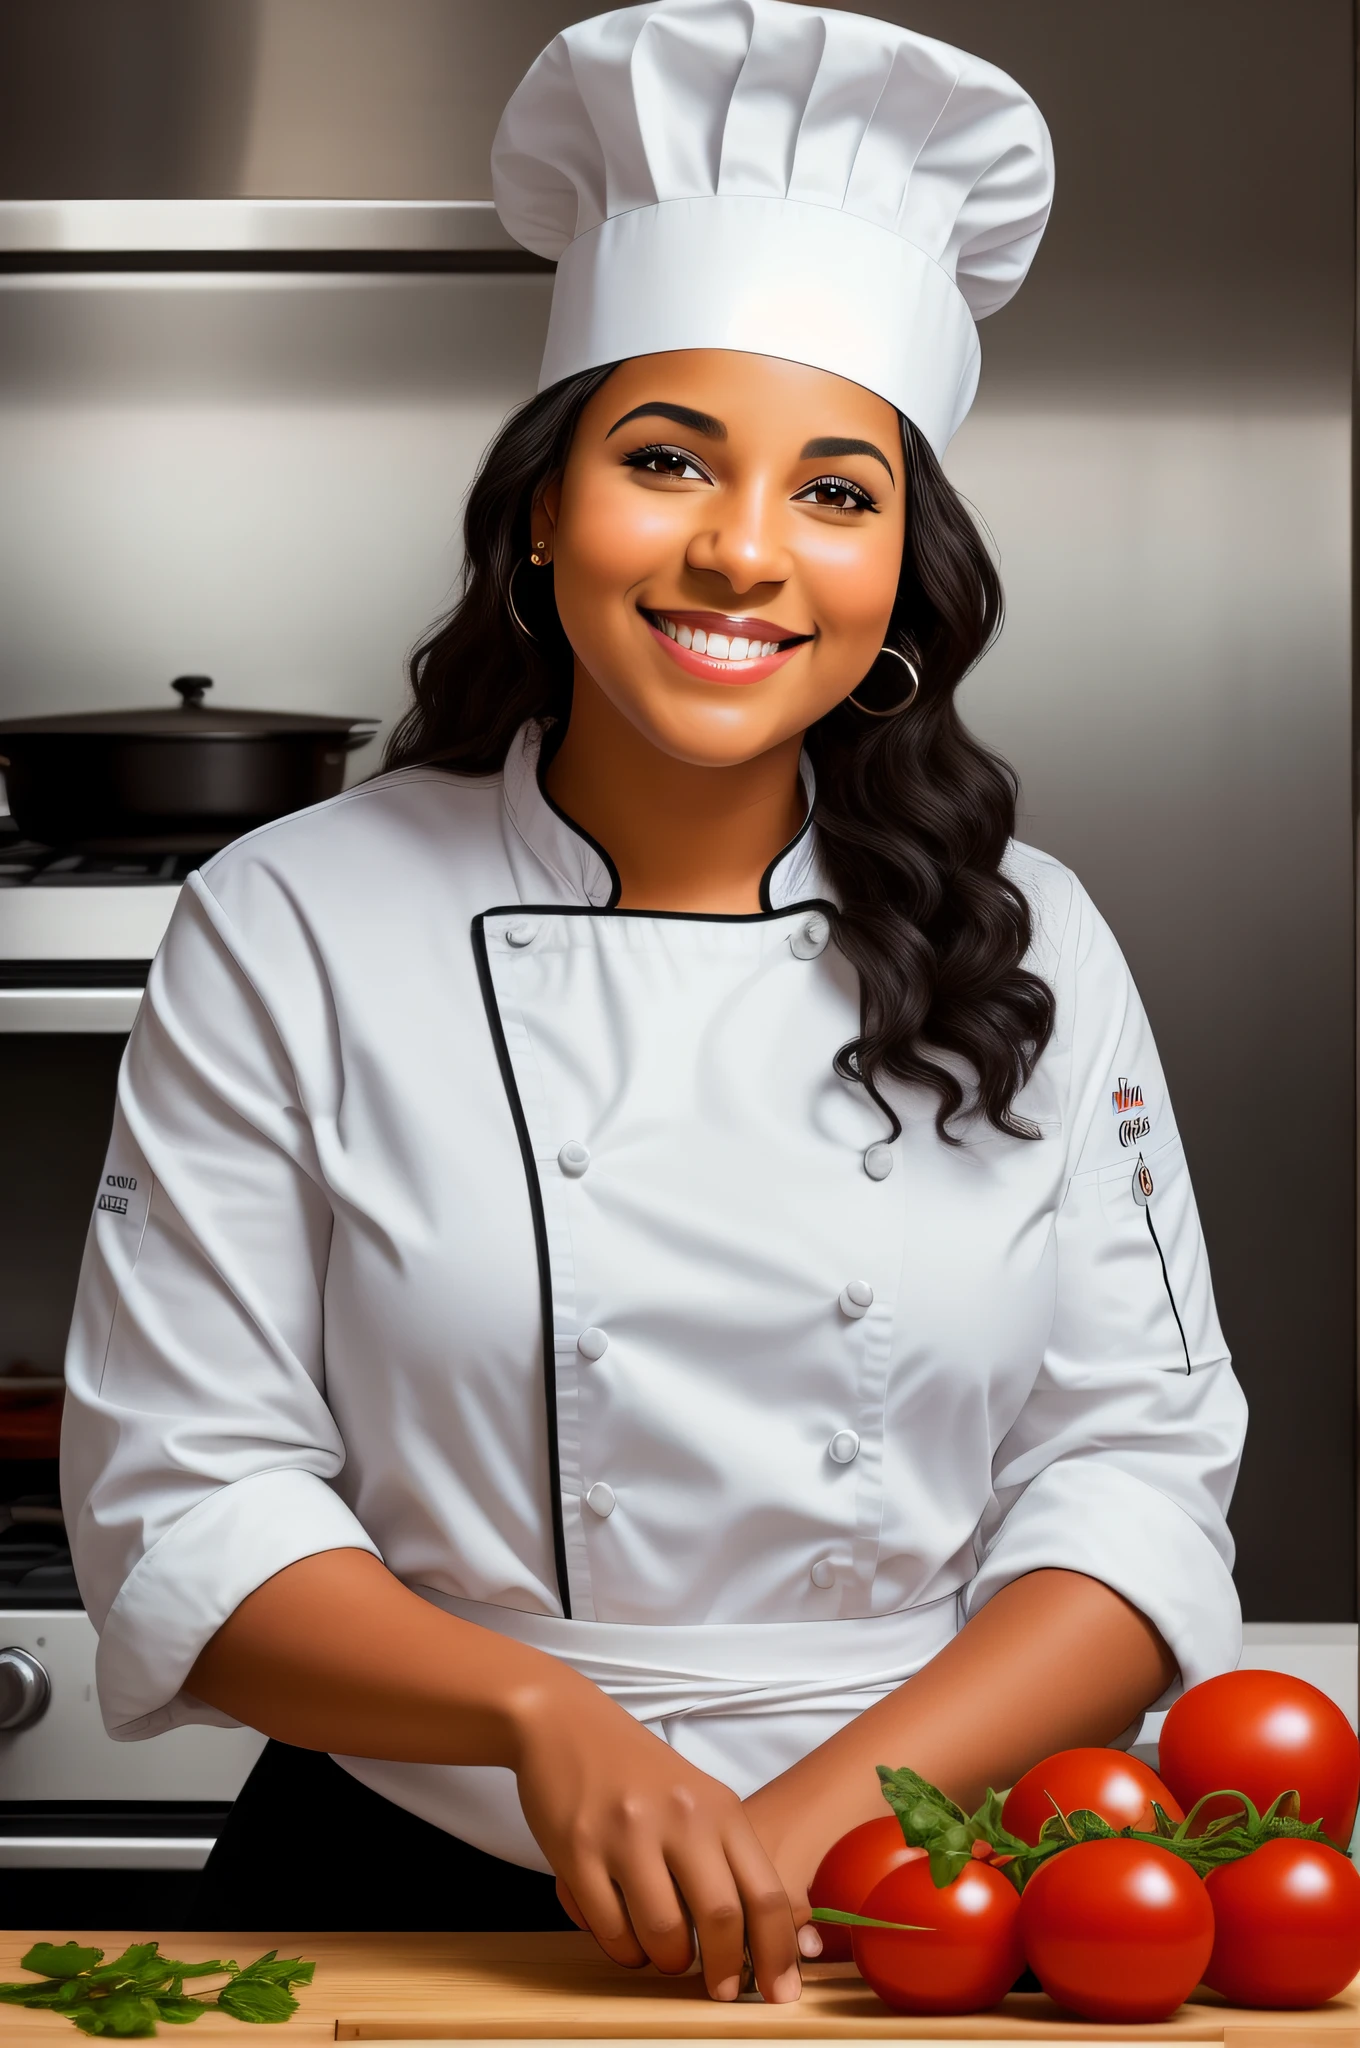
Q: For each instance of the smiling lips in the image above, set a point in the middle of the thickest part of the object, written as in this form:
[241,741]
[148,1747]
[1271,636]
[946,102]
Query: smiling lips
[724,649]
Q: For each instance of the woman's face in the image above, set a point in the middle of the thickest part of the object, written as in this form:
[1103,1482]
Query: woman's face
[726,540]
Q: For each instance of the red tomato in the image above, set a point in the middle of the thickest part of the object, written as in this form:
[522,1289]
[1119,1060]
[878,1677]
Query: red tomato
[1263,1733]
[1117,1930]
[848,1873]
[1286,1925]
[1117,1787]
[969,1959]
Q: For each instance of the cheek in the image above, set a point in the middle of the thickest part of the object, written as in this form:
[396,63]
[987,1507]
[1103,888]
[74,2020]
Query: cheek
[612,536]
[851,579]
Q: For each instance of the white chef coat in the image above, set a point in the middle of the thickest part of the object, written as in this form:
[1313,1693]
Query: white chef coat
[409,1109]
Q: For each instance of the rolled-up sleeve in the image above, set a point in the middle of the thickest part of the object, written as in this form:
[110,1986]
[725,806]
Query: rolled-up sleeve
[1122,1461]
[198,1452]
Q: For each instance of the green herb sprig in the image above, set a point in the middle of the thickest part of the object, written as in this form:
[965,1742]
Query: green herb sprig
[129,1995]
[952,1838]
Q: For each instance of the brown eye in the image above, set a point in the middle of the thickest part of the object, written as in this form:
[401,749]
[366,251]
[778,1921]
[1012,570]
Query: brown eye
[836,494]
[656,460]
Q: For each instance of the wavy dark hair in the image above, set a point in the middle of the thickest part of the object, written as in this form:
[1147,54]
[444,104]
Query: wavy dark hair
[913,813]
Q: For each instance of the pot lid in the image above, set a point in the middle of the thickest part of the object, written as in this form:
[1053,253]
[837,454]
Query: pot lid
[191,718]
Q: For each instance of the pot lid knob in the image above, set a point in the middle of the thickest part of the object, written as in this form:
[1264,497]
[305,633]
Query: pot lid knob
[191,689]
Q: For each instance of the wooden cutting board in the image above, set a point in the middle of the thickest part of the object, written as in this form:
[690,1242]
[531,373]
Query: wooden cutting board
[558,1987]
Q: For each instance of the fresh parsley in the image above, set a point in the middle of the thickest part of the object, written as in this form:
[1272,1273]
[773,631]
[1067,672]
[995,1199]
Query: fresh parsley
[129,1995]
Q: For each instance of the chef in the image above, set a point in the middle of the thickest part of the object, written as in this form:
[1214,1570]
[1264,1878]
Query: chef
[653,1267]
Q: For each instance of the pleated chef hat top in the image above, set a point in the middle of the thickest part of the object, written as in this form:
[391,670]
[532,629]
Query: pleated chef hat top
[785,180]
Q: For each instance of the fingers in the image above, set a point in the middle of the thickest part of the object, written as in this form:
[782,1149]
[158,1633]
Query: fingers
[659,1917]
[642,1910]
[709,1890]
[809,1939]
[603,1914]
[569,1905]
[770,1933]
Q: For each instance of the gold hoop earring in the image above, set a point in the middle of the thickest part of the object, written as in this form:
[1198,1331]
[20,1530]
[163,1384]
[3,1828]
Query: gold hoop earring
[510,605]
[893,709]
[539,557]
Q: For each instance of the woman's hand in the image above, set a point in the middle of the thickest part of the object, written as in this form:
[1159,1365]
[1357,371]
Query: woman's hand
[781,1825]
[644,1844]
[334,1653]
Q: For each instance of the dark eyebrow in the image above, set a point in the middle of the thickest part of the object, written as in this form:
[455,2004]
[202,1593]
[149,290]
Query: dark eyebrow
[683,416]
[832,444]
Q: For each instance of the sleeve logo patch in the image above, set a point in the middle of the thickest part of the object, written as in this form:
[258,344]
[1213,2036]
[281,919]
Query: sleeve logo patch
[1126,1102]
[122,1194]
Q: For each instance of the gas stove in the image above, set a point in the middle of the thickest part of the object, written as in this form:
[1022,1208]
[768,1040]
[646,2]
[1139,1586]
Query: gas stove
[35,1557]
[78,932]
[26,865]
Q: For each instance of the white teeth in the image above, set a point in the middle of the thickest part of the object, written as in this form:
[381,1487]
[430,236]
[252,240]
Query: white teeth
[717,646]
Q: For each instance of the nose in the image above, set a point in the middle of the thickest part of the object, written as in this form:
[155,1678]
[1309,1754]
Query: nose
[741,540]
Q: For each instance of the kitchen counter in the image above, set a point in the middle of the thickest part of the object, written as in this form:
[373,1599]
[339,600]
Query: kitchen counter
[484,1987]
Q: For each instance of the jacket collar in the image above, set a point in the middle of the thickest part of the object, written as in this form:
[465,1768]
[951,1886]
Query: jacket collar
[582,867]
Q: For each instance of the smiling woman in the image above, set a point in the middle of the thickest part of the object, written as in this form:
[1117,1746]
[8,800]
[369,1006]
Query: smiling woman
[713,532]
[641,1311]
[873,589]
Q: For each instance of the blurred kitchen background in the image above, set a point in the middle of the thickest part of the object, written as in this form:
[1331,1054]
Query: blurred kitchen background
[257,322]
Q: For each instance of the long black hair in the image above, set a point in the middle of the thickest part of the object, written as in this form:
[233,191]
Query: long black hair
[913,814]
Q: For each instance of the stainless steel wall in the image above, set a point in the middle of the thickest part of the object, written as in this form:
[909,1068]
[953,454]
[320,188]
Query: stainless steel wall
[1162,449]
[238,474]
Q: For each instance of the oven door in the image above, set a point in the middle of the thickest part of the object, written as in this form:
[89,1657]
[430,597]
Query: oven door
[70,1799]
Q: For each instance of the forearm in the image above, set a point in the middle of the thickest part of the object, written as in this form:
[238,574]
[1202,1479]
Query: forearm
[1054,1661]
[335,1653]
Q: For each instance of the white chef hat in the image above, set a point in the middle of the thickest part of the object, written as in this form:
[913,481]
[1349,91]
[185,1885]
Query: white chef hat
[786,180]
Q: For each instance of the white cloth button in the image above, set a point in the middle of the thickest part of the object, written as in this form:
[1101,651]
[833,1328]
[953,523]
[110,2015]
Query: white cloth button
[522,933]
[824,1573]
[856,1298]
[574,1158]
[810,938]
[592,1344]
[844,1447]
[601,1499]
[878,1162]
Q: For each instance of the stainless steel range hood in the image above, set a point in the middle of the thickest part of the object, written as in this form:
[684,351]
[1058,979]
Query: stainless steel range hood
[57,228]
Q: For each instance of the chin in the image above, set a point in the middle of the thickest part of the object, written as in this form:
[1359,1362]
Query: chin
[716,736]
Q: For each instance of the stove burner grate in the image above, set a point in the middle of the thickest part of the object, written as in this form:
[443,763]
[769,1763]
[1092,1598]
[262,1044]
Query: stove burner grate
[26,865]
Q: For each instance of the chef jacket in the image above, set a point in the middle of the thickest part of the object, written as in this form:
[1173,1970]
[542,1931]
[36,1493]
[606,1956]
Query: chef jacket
[536,1246]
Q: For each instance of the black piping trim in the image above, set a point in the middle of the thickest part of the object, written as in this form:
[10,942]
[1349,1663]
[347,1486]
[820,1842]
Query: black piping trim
[685,917]
[493,1018]
[673,916]
[889,1112]
[548,746]
[1147,1211]
[783,854]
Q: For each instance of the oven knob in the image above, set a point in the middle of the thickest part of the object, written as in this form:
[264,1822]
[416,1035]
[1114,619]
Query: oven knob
[25,1690]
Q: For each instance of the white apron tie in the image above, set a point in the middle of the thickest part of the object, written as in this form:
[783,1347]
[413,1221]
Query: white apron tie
[742,1701]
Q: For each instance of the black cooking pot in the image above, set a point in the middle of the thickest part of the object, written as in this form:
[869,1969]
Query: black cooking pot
[188,779]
